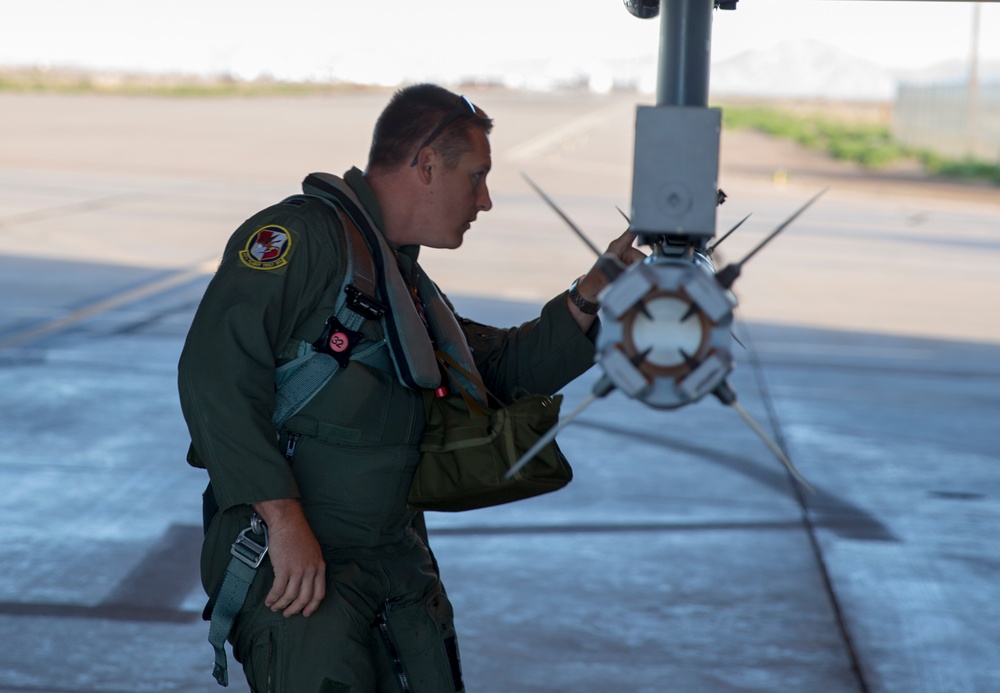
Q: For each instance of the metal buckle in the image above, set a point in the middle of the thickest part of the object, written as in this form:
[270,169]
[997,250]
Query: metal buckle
[364,305]
[246,549]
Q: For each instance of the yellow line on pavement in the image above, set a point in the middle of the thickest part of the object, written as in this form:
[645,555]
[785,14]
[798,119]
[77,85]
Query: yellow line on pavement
[107,304]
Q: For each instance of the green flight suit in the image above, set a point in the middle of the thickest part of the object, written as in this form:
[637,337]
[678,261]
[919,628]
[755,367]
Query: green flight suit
[357,446]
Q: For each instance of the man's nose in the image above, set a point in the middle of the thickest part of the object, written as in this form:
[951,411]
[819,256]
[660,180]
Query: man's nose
[484,203]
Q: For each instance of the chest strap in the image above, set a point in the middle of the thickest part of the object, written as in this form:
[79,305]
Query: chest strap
[299,380]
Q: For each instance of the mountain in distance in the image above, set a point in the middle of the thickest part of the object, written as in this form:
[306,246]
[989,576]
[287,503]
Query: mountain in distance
[802,69]
[795,69]
[809,69]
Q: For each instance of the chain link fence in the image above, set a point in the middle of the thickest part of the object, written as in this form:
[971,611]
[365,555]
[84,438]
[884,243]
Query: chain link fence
[953,120]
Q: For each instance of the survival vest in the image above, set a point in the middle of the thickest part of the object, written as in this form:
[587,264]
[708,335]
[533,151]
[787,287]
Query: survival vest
[406,332]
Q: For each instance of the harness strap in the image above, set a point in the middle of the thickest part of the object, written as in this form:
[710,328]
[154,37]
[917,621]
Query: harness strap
[232,595]
[299,380]
[232,592]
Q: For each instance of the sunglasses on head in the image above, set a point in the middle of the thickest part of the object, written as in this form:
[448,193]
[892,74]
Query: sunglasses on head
[463,109]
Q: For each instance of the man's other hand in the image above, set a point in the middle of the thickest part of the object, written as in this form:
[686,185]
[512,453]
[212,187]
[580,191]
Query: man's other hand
[299,569]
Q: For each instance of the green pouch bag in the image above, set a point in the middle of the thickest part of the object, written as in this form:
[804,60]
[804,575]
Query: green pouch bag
[465,453]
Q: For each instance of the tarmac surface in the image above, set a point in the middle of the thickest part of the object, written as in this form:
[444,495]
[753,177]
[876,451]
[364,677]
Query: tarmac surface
[681,558]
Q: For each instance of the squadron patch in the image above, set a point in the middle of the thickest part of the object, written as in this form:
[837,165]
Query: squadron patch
[267,248]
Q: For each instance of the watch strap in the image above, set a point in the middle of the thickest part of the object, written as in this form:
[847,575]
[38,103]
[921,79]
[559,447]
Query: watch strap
[585,306]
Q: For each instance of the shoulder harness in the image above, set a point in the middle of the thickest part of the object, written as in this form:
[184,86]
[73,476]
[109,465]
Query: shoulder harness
[412,354]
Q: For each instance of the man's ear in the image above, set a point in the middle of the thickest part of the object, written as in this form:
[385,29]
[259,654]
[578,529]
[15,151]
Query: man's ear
[428,162]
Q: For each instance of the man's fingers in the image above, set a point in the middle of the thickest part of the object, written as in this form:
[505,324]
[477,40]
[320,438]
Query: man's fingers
[290,594]
[318,593]
[310,592]
[633,255]
[276,592]
[301,600]
[625,240]
[622,248]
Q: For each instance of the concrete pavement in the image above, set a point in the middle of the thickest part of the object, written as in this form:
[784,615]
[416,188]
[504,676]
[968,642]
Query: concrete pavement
[681,558]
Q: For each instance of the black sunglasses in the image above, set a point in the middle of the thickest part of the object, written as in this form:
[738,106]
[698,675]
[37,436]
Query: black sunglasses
[463,109]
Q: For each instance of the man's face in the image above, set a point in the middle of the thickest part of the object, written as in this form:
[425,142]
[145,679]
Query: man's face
[460,194]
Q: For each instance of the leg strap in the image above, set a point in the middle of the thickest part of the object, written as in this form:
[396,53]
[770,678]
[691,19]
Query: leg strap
[232,593]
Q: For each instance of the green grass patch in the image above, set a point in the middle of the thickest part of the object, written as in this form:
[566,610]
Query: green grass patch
[869,144]
[965,169]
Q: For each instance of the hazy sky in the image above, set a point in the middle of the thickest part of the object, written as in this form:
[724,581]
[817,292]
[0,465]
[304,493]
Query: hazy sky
[390,40]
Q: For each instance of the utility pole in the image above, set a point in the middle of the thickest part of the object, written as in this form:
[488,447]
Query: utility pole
[972,104]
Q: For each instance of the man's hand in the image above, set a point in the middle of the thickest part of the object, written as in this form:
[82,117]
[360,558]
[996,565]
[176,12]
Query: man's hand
[623,249]
[299,569]
[591,284]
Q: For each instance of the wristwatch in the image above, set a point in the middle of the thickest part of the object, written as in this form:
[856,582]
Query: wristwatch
[585,306]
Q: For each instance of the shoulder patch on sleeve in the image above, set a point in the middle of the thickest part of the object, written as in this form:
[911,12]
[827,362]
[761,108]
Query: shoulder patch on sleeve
[267,248]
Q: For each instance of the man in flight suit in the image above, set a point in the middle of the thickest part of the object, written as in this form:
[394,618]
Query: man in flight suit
[348,597]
